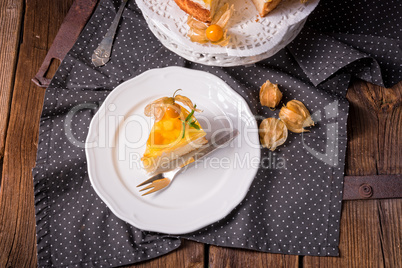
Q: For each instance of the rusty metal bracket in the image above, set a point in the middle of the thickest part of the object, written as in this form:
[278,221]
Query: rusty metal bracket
[70,29]
[372,187]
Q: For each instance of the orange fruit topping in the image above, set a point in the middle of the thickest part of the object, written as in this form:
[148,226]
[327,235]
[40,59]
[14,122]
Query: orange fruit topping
[214,33]
[173,111]
[158,138]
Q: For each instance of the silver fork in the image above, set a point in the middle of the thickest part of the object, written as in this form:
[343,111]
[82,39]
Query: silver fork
[163,179]
[159,181]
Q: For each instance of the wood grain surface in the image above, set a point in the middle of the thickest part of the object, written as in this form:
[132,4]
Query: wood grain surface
[10,25]
[233,257]
[17,218]
[190,254]
[370,230]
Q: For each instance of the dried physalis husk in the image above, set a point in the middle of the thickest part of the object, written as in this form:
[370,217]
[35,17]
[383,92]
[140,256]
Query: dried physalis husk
[270,95]
[296,116]
[273,132]
[186,101]
[157,108]
[215,32]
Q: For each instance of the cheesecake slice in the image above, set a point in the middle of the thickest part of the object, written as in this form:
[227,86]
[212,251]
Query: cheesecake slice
[265,6]
[176,133]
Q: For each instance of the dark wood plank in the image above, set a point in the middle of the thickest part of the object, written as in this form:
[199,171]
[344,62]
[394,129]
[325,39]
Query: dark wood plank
[232,257]
[17,222]
[371,230]
[374,130]
[10,25]
[389,212]
[189,254]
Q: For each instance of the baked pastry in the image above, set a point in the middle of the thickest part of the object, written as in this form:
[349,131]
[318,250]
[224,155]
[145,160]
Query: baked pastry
[175,132]
[204,10]
[265,6]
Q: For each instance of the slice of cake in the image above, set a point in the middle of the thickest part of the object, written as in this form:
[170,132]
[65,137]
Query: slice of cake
[265,6]
[175,132]
[202,10]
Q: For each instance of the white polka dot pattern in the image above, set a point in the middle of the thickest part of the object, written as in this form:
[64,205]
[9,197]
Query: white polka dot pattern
[294,204]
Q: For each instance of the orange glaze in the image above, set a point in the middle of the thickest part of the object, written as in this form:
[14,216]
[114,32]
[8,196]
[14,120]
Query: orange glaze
[168,131]
[166,137]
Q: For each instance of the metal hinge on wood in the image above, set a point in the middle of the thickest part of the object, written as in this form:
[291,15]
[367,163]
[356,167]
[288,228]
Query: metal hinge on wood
[372,187]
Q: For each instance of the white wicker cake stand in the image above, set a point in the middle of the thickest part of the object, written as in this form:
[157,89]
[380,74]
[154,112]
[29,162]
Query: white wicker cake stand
[168,24]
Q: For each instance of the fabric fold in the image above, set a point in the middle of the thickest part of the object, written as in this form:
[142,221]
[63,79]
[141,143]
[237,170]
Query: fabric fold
[321,56]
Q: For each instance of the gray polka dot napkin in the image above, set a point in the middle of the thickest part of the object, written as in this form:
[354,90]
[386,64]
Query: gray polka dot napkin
[294,203]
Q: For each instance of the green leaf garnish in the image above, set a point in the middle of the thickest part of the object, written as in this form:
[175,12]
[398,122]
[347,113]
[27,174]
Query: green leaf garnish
[189,121]
[190,114]
[194,125]
[184,130]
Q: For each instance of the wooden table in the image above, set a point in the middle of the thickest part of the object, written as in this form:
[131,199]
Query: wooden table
[371,233]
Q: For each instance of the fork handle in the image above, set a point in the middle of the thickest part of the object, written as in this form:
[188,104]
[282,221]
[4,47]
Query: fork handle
[102,53]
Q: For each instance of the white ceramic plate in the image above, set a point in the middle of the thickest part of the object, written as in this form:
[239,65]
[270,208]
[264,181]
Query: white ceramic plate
[202,194]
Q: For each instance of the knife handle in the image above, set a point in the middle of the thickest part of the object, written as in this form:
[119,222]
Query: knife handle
[72,25]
